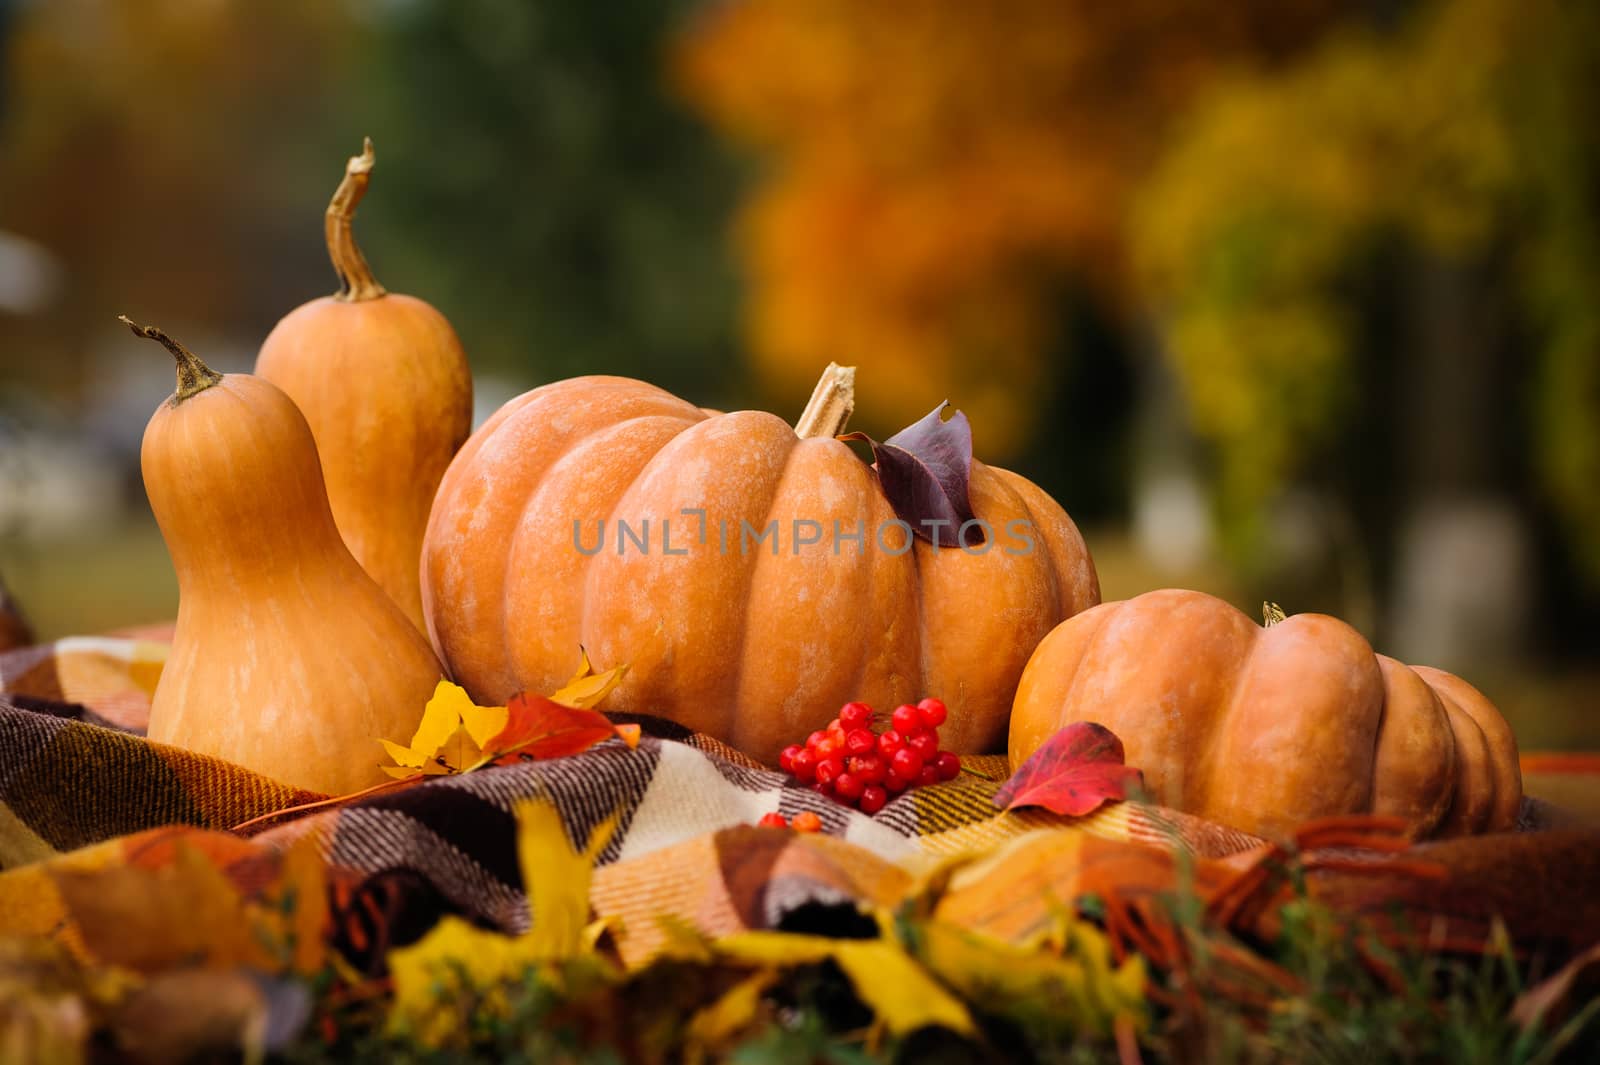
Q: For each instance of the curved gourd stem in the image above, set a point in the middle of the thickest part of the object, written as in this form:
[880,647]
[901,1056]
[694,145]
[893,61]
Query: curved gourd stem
[832,403]
[356,282]
[193,375]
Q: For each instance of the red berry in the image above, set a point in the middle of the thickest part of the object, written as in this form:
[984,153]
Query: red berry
[894,783]
[836,726]
[859,741]
[786,758]
[806,821]
[830,746]
[815,739]
[906,764]
[932,712]
[803,765]
[929,775]
[855,715]
[906,719]
[873,799]
[890,741]
[870,767]
[948,765]
[773,820]
[848,786]
[823,789]
[828,770]
[925,742]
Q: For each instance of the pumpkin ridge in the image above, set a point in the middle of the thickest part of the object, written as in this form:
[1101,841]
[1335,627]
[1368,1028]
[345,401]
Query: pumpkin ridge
[662,464]
[811,462]
[1501,742]
[1006,479]
[863,659]
[572,455]
[1238,683]
[1392,669]
[490,677]
[736,679]
[541,478]
[1090,645]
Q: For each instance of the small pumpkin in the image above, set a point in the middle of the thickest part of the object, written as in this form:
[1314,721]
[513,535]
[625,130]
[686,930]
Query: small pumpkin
[287,658]
[525,560]
[1264,728]
[383,381]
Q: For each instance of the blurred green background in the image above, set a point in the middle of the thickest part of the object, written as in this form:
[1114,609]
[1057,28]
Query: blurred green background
[1282,300]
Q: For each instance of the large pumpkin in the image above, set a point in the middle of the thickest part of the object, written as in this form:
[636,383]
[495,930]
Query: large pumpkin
[1264,728]
[756,644]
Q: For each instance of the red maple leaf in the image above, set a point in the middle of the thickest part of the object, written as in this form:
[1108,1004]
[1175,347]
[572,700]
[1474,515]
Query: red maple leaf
[538,727]
[1076,770]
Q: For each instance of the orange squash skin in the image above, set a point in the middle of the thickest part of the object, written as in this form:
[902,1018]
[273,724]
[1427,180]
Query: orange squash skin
[287,658]
[1265,728]
[755,648]
[385,387]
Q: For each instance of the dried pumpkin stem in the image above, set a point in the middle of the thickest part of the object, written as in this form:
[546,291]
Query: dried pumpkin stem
[832,403]
[356,282]
[193,375]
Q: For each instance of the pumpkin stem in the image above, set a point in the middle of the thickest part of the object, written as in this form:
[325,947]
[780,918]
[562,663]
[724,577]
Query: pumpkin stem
[193,375]
[832,402]
[356,282]
[1271,614]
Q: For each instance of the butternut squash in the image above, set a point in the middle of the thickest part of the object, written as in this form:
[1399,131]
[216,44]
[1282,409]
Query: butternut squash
[288,658]
[383,381]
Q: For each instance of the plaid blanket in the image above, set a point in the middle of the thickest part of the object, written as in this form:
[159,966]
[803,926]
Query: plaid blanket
[82,789]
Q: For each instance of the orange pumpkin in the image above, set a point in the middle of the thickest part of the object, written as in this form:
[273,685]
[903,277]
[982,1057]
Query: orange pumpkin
[383,382]
[525,560]
[1265,728]
[287,658]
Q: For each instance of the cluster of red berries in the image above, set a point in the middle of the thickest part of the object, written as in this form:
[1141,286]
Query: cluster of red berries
[847,761]
[804,821]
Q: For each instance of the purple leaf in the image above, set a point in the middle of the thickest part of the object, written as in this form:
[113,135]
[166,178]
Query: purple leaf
[924,471]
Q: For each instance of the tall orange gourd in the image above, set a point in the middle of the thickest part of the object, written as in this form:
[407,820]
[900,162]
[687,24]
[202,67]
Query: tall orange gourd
[287,659]
[384,383]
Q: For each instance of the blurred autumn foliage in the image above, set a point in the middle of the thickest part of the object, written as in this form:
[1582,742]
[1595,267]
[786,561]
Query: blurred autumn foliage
[133,151]
[1330,264]
[934,169]
[1467,137]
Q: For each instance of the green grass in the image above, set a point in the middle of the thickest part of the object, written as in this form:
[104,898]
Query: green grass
[1357,1003]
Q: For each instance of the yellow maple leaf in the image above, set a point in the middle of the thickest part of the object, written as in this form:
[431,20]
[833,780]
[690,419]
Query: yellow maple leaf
[458,961]
[556,877]
[887,980]
[455,732]
[714,1026]
[450,736]
[1082,987]
[587,688]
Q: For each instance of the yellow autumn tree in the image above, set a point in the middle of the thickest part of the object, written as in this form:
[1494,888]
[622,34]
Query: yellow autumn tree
[1467,133]
[934,169]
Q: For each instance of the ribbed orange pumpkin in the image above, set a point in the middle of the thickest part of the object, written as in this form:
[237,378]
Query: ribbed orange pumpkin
[383,382]
[752,646]
[287,658]
[1264,728]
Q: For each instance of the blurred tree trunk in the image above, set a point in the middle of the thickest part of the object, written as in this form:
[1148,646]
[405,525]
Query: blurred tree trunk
[1462,580]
